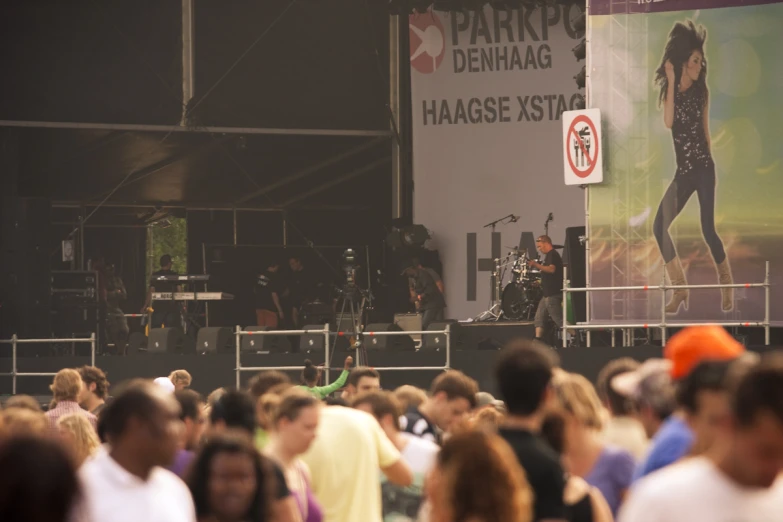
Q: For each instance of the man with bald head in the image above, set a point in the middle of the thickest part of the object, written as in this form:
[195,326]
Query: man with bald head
[127,481]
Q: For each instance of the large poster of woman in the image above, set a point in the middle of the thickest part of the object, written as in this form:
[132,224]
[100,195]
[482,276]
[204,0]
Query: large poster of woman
[691,100]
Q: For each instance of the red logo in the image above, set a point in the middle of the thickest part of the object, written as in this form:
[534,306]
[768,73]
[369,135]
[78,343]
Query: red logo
[428,42]
[580,141]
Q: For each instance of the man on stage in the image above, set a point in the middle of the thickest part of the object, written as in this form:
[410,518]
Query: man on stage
[426,293]
[551,305]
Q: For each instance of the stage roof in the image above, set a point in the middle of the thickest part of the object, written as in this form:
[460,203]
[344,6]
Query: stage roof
[290,107]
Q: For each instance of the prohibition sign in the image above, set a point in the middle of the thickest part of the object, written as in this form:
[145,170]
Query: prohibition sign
[591,161]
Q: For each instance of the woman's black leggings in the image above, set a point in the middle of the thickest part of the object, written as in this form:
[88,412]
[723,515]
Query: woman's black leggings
[700,180]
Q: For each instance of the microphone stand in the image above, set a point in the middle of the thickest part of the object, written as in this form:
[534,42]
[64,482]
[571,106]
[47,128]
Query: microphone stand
[546,225]
[495,311]
[504,220]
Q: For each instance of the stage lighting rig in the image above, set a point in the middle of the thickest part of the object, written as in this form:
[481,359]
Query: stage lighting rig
[409,236]
[581,77]
[579,22]
[580,50]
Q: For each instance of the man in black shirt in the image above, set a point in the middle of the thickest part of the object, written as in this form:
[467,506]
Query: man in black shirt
[428,297]
[551,304]
[268,290]
[523,373]
[165,312]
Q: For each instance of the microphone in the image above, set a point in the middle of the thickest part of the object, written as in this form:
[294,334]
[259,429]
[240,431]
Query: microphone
[550,217]
[514,218]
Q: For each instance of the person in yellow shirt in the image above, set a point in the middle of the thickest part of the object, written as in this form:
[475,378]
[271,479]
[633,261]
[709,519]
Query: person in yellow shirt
[346,481]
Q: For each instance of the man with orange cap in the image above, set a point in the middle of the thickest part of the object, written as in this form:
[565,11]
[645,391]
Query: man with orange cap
[697,359]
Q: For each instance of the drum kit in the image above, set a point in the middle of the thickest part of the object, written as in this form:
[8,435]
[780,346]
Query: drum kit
[522,294]
[518,299]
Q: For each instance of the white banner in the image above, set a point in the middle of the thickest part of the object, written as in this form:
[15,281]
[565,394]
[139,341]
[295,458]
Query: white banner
[488,89]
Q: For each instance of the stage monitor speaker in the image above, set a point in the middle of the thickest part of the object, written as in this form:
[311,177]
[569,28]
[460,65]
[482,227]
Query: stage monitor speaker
[137,342]
[264,343]
[312,342]
[213,339]
[164,340]
[387,342]
[574,258]
[438,341]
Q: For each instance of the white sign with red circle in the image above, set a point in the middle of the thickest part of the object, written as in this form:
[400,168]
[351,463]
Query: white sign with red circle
[582,154]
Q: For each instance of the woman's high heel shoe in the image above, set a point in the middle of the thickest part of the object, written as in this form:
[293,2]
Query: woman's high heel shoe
[677,278]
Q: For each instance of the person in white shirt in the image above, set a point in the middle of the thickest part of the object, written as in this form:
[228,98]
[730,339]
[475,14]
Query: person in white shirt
[400,504]
[127,482]
[739,479]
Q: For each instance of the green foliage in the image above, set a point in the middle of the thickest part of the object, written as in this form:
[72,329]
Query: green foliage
[172,240]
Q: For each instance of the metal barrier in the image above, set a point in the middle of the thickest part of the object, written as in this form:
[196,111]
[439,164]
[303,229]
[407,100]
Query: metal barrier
[663,287]
[15,341]
[327,333]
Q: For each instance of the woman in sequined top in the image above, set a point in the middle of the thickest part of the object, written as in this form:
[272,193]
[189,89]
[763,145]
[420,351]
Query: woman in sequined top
[682,77]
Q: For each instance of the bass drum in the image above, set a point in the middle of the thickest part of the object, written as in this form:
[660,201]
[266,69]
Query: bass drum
[519,302]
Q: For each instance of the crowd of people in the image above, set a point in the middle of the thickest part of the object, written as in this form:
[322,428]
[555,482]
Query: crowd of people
[696,435]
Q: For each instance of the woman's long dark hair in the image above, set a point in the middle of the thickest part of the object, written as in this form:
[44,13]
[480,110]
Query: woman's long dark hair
[235,444]
[684,38]
[38,481]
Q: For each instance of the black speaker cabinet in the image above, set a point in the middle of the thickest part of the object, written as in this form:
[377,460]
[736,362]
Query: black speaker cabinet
[264,343]
[438,341]
[164,340]
[313,342]
[387,342]
[137,342]
[214,339]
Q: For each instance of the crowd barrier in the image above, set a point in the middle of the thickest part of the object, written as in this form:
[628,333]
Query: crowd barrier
[328,334]
[663,324]
[15,342]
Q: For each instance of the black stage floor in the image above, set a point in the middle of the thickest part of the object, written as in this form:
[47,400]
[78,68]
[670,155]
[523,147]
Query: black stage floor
[474,351]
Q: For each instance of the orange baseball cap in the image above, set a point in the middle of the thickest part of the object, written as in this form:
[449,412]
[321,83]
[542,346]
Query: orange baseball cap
[696,344]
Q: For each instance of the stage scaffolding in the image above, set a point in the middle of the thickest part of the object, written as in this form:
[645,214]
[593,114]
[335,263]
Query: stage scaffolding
[626,110]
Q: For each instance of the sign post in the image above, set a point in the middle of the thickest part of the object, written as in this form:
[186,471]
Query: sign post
[582,147]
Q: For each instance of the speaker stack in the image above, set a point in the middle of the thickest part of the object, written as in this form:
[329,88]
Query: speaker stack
[387,342]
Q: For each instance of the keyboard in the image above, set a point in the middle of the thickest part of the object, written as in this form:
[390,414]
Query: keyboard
[197,277]
[191,296]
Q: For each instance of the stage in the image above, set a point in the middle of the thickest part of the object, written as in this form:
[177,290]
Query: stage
[474,350]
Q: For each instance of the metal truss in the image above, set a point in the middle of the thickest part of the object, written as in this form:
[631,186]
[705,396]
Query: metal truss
[623,72]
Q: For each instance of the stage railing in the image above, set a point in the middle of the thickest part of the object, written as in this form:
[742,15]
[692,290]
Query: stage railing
[15,342]
[663,324]
[327,333]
